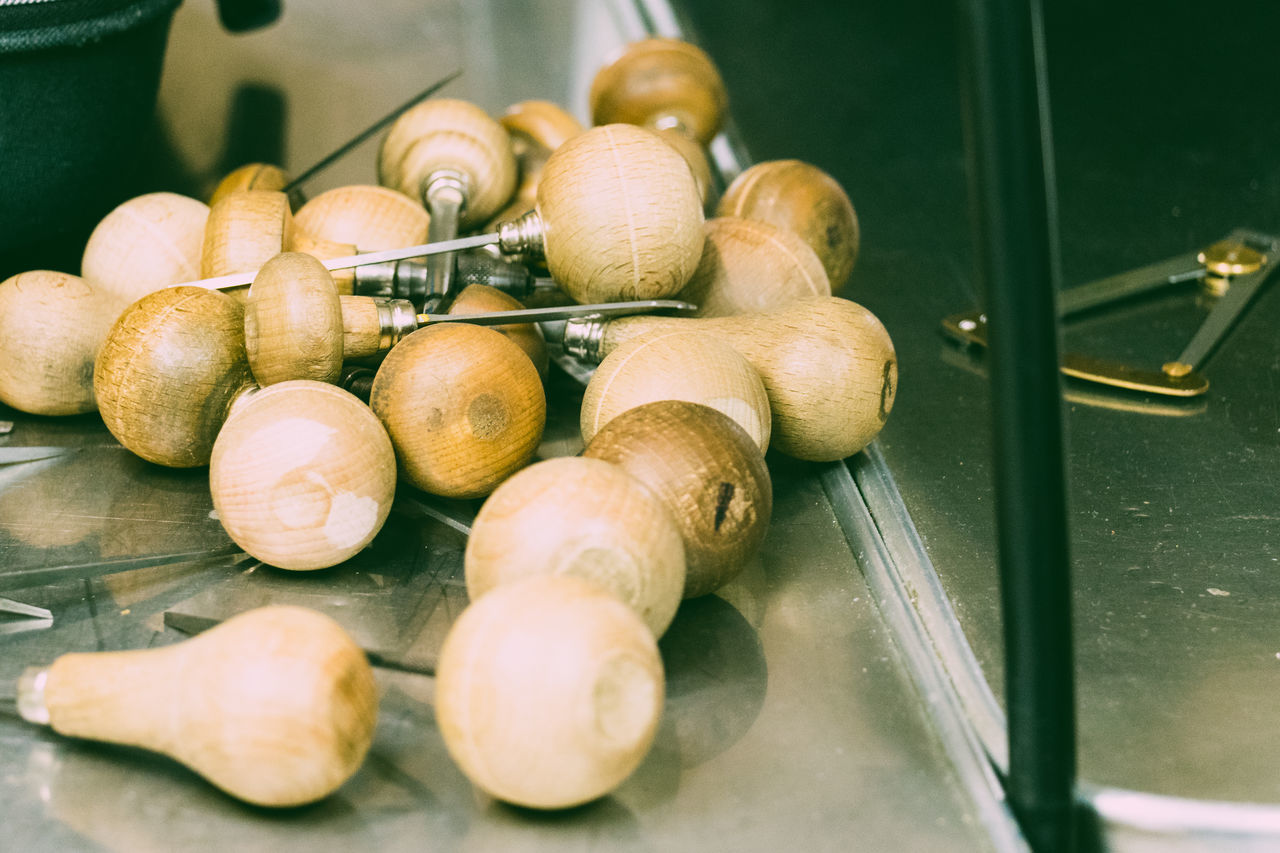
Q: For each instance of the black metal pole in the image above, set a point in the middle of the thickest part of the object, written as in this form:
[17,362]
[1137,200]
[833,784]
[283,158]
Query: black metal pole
[1011,169]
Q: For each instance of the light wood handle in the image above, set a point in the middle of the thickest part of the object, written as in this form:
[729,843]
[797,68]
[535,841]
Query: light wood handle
[361,327]
[275,706]
[828,367]
[293,321]
[146,243]
[370,217]
[251,176]
[246,228]
[661,80]
[547,736]
[480,299]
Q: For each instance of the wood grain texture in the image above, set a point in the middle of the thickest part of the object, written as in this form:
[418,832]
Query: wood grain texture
[709,473]
[146,243]
[245,229]
[275,706]
[251,176]
[536,129]
[549,692]
[691,366]
[369,217]
[464,408]
[828,366]
[482,299]
[302,475]
[749,266]
[51,327]
[658,80]
[361,327]
[802,198]
[584,518]
[449,134]
[168,371]
[293,321]
[621,214]
[695,157]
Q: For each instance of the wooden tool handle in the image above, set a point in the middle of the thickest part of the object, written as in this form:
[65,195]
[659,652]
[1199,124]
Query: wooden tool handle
[293,321]
[275,706]
[144,244]
[251,176]
[369,217]
[245,229]
[661,80]
[828,367]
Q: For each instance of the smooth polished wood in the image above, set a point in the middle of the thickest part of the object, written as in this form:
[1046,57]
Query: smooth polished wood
[293,321]
[144,244]
[302,475]
[251,176]
[708,472]
[464,408]
[168,372]
[51,328]
[536,128]
[549,692]
[276,706]
[584,518]
[366,216]
[622,216]
[828,366]
[446,134]
[691,366]
[661,82]
[800,197]
[749,266]
[245,229]
[481,299]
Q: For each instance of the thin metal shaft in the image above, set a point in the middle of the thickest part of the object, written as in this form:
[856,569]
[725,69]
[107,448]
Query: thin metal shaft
[371,130]
[1012,166]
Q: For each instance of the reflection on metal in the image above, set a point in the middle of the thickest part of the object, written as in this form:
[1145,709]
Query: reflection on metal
[8,605]
[1234,267]
[564,312]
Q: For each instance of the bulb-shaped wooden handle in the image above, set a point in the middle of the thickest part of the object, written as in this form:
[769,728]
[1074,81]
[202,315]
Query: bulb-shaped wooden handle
[548,692]
[246,228]
[370,217]
[691,366]
[146,243]
[276,706]
[750,266]
[800,197]
[536,128]
[464,408]
[302,475]
[168,372]
[621,216]
[251,176]
[707,471]
[481,299]
[585,518]
[661,82]
[293,321]
[444,135]
[828,367]
[51,327]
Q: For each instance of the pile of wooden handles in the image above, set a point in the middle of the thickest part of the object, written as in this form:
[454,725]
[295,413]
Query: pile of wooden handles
[582,561]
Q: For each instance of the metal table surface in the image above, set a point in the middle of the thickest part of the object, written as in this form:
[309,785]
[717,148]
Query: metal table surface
[792,718]
[1164,142]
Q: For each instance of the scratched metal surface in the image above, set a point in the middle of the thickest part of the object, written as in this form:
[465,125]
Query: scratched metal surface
[1164,144]
[790,720]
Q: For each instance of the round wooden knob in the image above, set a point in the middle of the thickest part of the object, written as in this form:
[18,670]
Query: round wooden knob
[691,366]
[549,736]
[802,198]
[464,408]
[302,475]
[661,82]
[481,299]
[585,518]
[370,217]
[828,366]
[451,136]
[251,176]
[51,326]
[536,129]
[293,321]
[275,706]
[146,243]
[695,157]
[752,266]
[708,472]
[246,228]
[621,216]
[168,372]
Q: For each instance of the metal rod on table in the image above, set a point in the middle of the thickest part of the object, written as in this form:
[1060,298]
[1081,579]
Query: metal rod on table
[1011,163]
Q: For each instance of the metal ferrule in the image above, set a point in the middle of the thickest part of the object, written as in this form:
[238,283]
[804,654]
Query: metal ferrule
[31,687]
[378,279]
[524,236]
[582,338]
[397,318]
